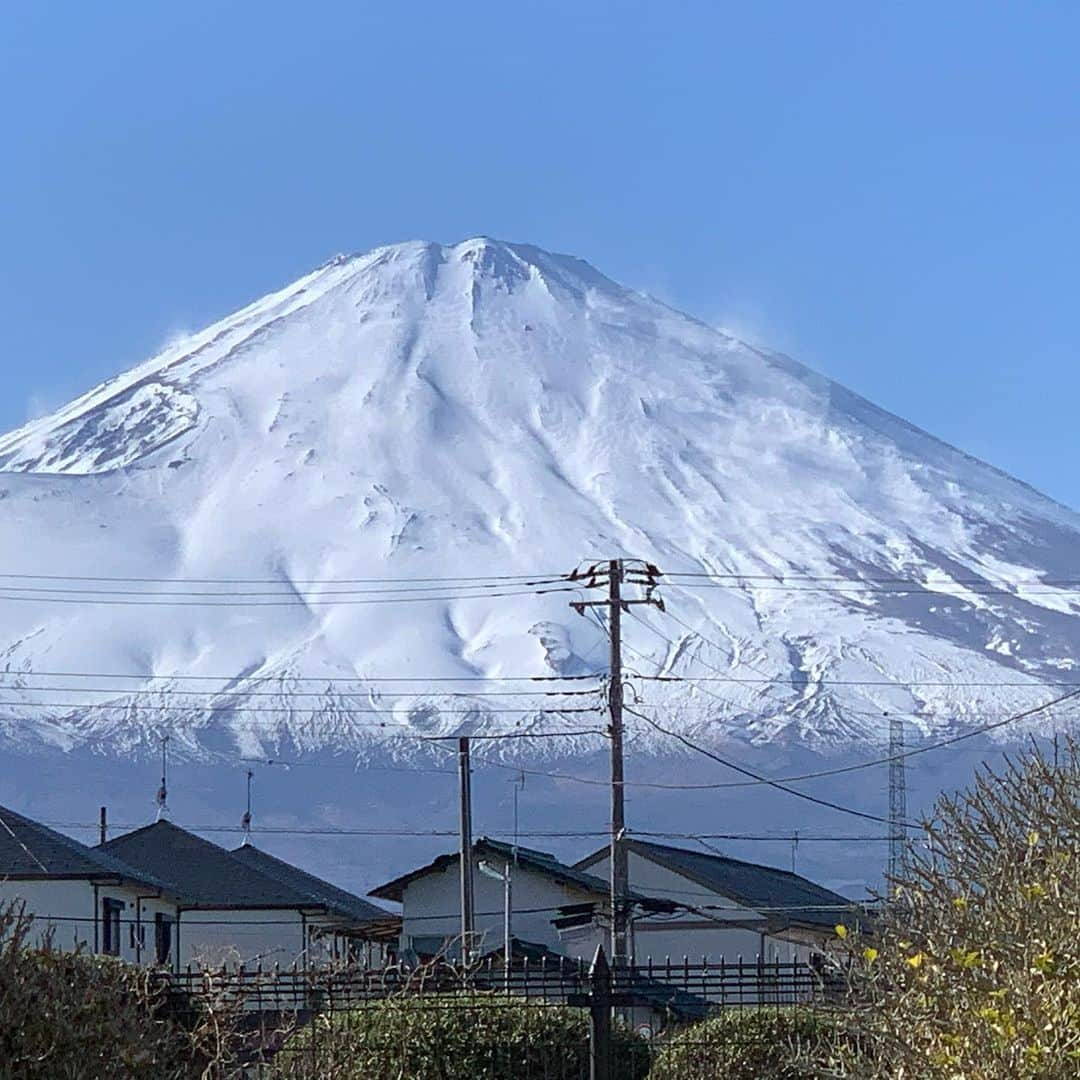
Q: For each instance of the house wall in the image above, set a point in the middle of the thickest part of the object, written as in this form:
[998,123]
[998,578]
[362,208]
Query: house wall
[692,935]
[70,913]
[212,937]
[431,909]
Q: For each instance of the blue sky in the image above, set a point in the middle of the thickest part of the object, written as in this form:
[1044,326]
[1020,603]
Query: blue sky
[887,191]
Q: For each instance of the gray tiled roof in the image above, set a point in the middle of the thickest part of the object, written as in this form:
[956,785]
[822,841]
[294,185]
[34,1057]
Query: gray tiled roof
[29,849]
[337,901]
[541,862]
[792,898]
[201,873]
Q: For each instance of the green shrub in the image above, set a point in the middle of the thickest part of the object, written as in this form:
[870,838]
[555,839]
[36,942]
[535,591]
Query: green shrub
[750,1044]
[66,1015]
[453,1037]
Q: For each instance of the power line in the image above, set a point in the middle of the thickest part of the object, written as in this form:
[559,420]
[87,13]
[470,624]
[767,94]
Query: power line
[241,694]
[312,678]
[1035,683]
[88,706]
[271,727]
[690,744]
[10,575]
[941,744]
[285,591]
[843,579]
[540,834]
[856,588]
[298,601]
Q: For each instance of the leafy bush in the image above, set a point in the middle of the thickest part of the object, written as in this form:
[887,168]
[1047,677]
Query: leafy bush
[750,1044]
[975,971]
[67,1015]
[453,1037]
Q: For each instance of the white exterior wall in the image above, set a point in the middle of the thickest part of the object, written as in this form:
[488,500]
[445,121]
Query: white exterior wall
[212,937]
[695,936]
[199,938]
[431,908]
[72,912]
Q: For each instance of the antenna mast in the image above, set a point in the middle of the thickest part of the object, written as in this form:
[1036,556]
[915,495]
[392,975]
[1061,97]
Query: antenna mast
[163,791]
[245,821]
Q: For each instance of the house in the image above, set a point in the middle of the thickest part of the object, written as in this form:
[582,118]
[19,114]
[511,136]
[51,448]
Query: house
[241,907]
[543,890]
[358,930]
[730,908]
[80,898]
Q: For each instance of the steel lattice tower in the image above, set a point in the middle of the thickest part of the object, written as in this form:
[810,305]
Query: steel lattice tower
[897,799]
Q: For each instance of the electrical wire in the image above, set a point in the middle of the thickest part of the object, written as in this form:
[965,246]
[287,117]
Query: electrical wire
[89,706]
[242,695]
[779,785]
[313,678]
[286,590]
[23,576]
[298,601]
[842,578]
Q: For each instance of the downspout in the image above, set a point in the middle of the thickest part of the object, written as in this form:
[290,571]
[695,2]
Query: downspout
[95,918]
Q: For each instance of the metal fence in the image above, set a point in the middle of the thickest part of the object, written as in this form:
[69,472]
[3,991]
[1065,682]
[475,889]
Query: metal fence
[549,1019]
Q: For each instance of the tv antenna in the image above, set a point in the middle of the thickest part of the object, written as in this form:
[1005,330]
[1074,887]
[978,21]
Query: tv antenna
[245,821]
[163,790]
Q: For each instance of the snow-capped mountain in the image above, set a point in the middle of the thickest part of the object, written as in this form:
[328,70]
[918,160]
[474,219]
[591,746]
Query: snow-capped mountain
[490,410]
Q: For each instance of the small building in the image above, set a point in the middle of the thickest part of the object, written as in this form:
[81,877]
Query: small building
[353,929]
[242,907]
[729,907]
[80,898]
[543,891]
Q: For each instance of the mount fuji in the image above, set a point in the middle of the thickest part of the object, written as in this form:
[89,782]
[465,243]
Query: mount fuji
[199,545]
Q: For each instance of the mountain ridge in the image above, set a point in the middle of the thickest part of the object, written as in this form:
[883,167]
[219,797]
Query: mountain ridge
[423,410]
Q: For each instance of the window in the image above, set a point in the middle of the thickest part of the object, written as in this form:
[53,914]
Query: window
[110,925]
[162,938]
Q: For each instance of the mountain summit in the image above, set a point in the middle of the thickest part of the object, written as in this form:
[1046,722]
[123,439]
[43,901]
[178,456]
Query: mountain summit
[490,411]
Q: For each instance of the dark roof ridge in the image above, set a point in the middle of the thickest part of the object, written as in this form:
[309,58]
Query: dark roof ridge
[333,897]
[98,863]
[204,874]
[540,862]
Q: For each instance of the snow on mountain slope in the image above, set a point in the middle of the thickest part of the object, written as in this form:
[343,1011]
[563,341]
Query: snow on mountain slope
[488,408]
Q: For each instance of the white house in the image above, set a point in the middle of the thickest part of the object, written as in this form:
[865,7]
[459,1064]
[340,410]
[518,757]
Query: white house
[79,897]
[242,907]
[729,908]
[543,890]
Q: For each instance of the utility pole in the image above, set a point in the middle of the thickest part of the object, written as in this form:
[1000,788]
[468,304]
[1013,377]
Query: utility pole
[620,872]
[466,859]
[645,575]
[103,825]
[897,800]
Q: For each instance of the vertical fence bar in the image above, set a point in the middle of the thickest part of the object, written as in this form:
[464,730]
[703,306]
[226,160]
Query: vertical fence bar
[600,1018]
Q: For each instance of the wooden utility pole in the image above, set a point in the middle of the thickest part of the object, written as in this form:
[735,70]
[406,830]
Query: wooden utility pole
[103,825]
[619,869]
[466,859]
[645,575]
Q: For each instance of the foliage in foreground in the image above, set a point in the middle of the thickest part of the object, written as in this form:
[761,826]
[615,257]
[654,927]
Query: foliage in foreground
[69,1015]
[751,1044]
[975,972]
[453,1038]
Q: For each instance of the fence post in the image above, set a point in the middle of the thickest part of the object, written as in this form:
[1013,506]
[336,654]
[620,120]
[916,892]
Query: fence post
[600,1017]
